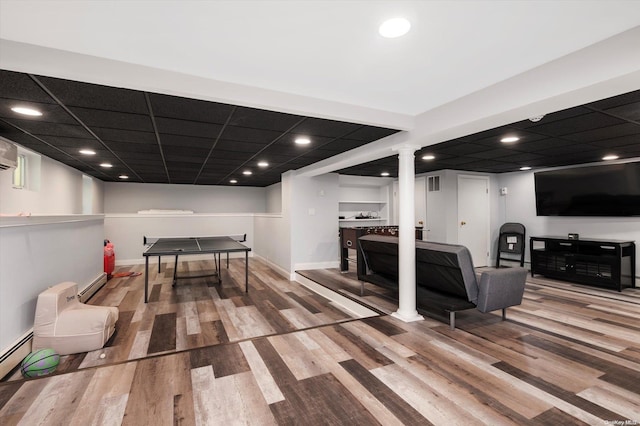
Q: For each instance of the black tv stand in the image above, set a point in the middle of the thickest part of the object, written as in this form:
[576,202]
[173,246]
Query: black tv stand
[604,263]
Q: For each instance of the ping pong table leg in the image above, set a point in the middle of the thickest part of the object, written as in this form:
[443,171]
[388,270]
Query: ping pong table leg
[227,260]
[246,272]
[175,272]
[146,278]
[218,262]
[159,262]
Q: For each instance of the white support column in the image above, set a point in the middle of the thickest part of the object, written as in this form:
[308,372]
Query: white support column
[407,239]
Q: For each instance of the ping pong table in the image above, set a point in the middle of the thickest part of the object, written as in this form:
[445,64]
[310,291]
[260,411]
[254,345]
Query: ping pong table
[183,246]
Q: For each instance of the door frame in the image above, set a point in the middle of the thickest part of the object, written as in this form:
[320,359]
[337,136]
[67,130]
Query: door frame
[487,209]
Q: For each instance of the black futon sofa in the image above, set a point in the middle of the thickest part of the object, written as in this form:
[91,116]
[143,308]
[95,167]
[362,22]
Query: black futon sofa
[446,281]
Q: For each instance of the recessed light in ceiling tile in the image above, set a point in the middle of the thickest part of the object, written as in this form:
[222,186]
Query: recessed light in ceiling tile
[428,157]
[384,174]
[509,139]
[247,172]
[123,177]
[395,27]
[233,181]
[263,164]
[610,157]
[303,141]
[87,152]
[27,111]
[106,165]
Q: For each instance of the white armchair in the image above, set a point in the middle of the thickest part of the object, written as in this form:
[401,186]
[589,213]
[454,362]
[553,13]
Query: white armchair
[67,326]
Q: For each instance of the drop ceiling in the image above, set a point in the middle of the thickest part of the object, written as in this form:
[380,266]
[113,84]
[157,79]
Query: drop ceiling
[579,135]
[156,138]
[197,92]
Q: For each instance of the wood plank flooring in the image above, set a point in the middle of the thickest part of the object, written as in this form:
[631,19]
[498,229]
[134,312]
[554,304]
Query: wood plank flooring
[205,354]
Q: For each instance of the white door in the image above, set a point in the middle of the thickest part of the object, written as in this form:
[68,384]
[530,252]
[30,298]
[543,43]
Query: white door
[473,217]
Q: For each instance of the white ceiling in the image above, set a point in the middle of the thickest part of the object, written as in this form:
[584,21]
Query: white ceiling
[326,50]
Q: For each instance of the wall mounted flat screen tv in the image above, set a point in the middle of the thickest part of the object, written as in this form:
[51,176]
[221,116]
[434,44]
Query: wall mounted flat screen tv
[609,190]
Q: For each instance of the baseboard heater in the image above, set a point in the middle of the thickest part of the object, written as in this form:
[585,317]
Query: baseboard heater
[15,354]
[91,289]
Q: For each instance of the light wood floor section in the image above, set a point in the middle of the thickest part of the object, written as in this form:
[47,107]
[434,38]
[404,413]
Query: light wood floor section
[204,354]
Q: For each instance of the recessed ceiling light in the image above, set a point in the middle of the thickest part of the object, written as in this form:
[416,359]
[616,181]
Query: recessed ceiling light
[233,181]
[106,165]
[510,139]
[428,157]
[384,174]
[247,172]
[525,168]
[87,152]
[303,141]
[610,157]
[26,111]
[263,164]
[123,177]
[395,27]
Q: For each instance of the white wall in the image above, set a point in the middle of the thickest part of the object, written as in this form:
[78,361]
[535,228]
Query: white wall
[313,207]
[122,197]
[519,205]
[274,198]
[52,188]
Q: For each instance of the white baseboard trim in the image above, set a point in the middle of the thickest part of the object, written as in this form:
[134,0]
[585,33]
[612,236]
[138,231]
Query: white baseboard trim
[14,354]
[279,269]
[316,265]
[344,303]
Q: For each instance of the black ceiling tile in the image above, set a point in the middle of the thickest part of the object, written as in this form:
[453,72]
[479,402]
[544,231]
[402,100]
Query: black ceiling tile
[172,126]
[171,151]
[186,141]
[577,124]
[326,128]
[113,119]
[44,129]
[521,156]
[371,133]
[542,144]
[567,149]
[79,143]
[130,136]
[230,145]
[127,148]
[243,134]
[73,93]
[458,148]
[605,133]
[493,153]
[261,119]
[21,87]
[628,112]
[189,109]
[219,154]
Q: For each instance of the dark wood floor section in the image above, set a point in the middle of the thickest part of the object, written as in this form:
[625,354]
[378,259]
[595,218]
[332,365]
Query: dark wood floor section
[204,353]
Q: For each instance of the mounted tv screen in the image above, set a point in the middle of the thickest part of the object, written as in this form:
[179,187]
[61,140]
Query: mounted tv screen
[611,190]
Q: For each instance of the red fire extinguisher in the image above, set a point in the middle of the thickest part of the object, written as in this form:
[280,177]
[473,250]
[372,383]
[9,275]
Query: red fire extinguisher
[109,258]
